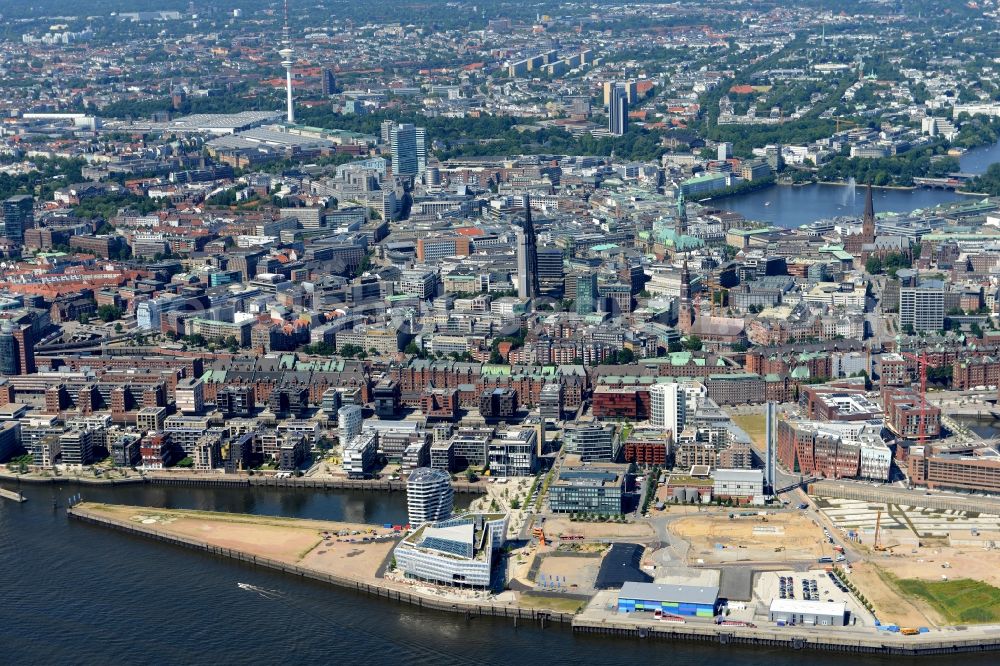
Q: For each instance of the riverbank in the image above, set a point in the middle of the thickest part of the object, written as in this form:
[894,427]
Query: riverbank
[179,528]
[309,551]
[231,481]
[845,183]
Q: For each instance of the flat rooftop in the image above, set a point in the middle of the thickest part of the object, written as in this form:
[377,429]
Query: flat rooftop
[685,594]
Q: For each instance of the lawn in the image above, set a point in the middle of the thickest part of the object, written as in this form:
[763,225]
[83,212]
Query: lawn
[755,425]
[962,601]
[558,604]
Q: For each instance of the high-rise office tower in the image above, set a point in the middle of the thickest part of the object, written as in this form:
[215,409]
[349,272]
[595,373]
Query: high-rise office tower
[618,111]
[17,350]
[667,408]
[527,256]
[18,215]
[550,272]
[586,293]
[385,131]
[329,83]
[9,361]
[409,150]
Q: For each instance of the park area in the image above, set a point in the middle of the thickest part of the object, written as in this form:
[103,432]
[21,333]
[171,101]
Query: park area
[917,588]
[962,601]
[330,547]
[781,537]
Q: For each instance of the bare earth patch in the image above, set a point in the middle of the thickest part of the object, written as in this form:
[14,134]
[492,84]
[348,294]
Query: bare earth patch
[310,543]
[782,538]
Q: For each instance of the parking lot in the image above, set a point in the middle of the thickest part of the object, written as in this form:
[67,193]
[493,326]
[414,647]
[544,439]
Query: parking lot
[813,585]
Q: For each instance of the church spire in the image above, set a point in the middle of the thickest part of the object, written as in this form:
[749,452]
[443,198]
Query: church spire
[682,217]
[868,221]
[685,313]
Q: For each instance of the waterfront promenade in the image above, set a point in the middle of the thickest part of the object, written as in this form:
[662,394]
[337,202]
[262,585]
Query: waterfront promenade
[231,481]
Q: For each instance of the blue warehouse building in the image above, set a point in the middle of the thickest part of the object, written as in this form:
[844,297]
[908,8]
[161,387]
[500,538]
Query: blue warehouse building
[688,600]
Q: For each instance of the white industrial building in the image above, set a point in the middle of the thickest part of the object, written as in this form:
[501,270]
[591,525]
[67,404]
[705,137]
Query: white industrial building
[738,483]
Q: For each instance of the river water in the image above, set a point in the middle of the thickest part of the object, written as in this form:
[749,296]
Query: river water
[79,594]
[790,206]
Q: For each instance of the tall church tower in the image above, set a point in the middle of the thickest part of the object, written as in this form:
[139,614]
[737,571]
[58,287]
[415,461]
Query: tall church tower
[868,220]
[681,221]
[527,256]
[685,312]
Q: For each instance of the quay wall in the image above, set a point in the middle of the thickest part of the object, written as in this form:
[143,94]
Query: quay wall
[207,481]
[786,638]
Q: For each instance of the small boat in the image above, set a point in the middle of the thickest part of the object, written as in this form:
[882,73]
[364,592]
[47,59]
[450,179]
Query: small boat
[265,593]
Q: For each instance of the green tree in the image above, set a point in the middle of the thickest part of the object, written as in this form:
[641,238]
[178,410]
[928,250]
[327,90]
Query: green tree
[693,343]
[108,313]
[625,356]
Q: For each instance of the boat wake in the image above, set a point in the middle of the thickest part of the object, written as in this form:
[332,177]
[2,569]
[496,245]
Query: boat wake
[263,592]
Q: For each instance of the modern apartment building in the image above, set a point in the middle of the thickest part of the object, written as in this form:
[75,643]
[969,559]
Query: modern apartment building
[513,453]
[429,496]
[593,442]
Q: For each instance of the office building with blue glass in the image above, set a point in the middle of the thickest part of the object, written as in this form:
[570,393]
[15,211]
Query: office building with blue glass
[588,489]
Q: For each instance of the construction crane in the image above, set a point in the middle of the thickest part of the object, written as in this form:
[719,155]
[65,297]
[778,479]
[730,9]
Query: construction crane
[845,121]
[878,527]
[921,361]
[715,306]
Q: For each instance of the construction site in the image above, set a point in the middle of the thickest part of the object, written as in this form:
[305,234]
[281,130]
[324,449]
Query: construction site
[932,566]
[750,536]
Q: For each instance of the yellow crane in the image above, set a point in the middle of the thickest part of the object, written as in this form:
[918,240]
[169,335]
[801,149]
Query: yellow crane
[845,121]
[878,526]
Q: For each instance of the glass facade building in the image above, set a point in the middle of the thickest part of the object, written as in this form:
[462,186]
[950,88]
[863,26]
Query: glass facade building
[587,490]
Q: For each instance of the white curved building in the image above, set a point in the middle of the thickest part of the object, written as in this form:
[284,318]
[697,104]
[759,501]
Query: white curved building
[349,418]
[429,496]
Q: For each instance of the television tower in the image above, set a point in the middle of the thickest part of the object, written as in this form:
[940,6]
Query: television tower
[287,61]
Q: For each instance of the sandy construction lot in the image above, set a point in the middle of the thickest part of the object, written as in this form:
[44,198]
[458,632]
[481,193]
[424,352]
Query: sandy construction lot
[932,563]
[309,543]
[555,526]
[574,574]
[890,606]
[782,538]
